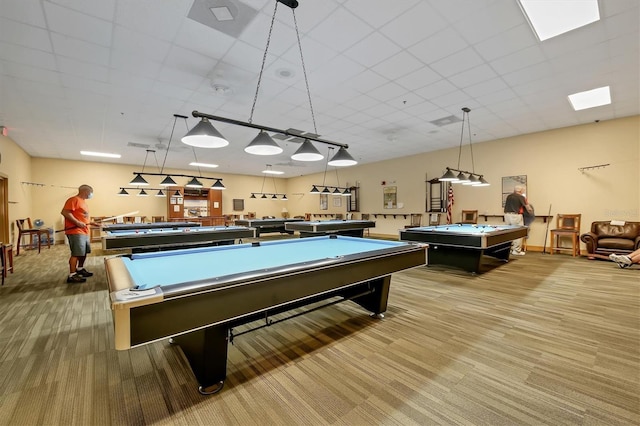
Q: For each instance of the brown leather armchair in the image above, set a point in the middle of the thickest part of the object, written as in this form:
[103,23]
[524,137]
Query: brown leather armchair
[606,238]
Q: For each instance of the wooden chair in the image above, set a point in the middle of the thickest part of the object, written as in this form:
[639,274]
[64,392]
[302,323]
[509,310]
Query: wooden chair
[6,257]
[156,219]
[416,221]
[469,216]
[26,228]
[129,219]
[434,219]
[365,216]
[251,215]
[568,226]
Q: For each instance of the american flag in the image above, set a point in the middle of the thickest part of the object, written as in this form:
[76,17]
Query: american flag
[449,204]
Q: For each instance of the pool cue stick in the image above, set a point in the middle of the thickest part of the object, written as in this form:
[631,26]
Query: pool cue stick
[120,215]
[106,218]
[546,232]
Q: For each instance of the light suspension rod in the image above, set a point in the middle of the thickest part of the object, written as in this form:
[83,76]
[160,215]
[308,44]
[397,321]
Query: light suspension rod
[198,114]
[176,175]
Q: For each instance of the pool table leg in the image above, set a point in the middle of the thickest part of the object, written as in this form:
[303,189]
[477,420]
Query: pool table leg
[376,302]
[206,351]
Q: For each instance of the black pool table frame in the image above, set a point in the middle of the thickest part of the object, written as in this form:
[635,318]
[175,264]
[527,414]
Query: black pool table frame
[153,225]
[464,250]
[170,240]
[199,316]
[351,228]
[267,225]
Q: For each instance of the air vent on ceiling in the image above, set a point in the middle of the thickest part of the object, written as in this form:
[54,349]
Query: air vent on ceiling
[445,121]
[138,145]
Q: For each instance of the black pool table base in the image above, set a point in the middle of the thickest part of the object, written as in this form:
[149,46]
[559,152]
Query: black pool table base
[206,349]
[469,259]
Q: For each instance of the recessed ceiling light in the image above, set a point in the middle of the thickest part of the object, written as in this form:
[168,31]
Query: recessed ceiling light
[552,18]
[222,13]
[213,166]
[100,154]
[590,98]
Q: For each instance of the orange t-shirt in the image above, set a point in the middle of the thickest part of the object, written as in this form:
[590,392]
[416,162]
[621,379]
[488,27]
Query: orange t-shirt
[80,211]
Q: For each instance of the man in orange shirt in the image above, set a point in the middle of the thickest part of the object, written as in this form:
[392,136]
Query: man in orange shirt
[76,227]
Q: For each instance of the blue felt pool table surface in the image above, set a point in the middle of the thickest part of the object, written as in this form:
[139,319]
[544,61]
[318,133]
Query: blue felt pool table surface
[149,270]
[465,228]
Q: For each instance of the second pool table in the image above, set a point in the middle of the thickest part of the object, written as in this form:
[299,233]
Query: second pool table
[464,245]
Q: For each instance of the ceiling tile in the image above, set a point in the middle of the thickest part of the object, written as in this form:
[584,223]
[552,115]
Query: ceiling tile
[80,50]
[328,32]
[372,50]
[24,35]
[398,65]
[103,9]
[423,21]
[78,25]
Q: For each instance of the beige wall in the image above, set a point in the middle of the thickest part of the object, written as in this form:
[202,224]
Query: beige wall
[549,159]
[15,165]
[61,179]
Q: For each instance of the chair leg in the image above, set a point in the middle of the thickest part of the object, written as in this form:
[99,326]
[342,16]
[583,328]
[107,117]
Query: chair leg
[18,248]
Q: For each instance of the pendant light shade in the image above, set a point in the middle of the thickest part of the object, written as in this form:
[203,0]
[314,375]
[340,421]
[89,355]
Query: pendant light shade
[483,182]
[218,186]
[160,193]
[342,159]
[347,192]
[168,181]
[177,193]
[284,197]
[263,144]
[253,195]
[264,196]
[473,181]
[326,190]
[307,152]
[143,193]
[204,135]
[461,178]
[449,176]
[138,180]
[194,183]
[314,190]
[123,192]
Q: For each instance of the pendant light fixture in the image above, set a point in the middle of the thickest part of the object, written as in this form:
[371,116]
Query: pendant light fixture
[464,177]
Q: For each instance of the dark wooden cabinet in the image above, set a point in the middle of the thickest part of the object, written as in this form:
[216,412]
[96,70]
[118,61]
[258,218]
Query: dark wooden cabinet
[193,203]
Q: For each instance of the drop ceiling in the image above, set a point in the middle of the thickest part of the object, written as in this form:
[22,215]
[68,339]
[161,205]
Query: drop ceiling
[388,78]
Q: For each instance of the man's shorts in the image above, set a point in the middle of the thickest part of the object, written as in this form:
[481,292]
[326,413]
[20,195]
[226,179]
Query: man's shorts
[79,244]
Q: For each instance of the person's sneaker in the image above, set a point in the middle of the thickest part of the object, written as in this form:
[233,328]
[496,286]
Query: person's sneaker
[75,278]
[622,261]
[84,273]
[517,253]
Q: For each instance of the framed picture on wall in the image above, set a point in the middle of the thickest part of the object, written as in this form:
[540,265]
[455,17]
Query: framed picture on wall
[238,204]
[337,201]
[510,182]
[390,197]
[324,201]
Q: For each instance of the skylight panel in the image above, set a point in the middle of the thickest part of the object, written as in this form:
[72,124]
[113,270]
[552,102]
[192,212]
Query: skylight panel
[552,18]
[591,98]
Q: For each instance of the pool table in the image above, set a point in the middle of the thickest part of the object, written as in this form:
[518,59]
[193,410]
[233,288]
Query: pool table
[353,228]
[464,245]
[153,225]
[173,238]
[267,225]
[196,296]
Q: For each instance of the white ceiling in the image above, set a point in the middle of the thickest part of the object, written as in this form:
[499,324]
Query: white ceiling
[100,74]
